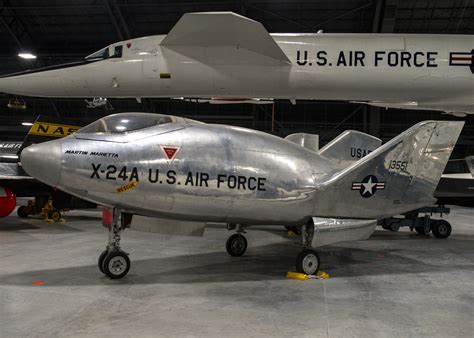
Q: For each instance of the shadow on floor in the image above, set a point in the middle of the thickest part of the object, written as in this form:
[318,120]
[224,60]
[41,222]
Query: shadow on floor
[270,262]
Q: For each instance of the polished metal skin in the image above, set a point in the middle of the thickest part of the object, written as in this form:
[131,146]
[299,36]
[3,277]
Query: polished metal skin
[158,166]
[225,57]
[187,170]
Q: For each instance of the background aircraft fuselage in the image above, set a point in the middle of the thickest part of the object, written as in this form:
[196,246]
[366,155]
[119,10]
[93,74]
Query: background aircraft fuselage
[434,70]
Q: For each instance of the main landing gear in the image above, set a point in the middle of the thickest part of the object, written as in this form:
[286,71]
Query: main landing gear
[113,261]
[236,244]
[307,261]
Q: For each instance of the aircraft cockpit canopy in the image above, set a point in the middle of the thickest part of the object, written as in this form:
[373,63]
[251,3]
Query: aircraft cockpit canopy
[113,51]
[129,122]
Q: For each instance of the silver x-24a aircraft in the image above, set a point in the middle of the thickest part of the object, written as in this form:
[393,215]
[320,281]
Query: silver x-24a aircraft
[170,167]
[224,57]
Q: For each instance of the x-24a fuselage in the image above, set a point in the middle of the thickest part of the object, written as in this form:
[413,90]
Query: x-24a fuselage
[163,166]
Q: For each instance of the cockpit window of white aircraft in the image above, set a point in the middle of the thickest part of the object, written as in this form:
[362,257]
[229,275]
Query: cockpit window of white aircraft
[104,53]
[99,55]
[123,123]
[117,51]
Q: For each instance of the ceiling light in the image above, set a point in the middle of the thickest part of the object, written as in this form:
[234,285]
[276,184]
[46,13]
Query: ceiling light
[27,124]
[27,56]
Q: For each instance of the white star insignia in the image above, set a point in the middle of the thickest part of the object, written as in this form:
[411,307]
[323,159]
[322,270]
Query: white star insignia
[369,186]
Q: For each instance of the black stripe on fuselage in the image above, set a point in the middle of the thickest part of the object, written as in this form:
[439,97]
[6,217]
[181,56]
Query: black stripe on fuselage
[43,69]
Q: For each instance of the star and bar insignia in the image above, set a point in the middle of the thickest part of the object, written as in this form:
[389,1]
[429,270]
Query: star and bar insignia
[462,59]
[369,186]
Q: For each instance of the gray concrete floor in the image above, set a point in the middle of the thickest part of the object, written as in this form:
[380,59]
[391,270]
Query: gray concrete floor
[395,284]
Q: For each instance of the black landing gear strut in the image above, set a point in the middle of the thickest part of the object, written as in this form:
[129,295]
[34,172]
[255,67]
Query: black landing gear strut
[113,261]
[307,261]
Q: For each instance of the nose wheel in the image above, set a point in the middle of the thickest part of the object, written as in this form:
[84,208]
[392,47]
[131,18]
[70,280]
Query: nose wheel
[113,261]
[116,264]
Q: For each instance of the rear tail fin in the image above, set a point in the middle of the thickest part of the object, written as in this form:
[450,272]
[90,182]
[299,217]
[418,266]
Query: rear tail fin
[308,141]
[398,177]
[44,130]
[350,147]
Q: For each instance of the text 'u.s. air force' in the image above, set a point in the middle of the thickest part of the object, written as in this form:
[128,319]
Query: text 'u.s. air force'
[171,177]
[359,58]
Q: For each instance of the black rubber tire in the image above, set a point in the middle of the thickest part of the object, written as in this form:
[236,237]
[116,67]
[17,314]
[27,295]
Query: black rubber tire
[236,245]
[394,227]
[422,230]
[55,215]
[100,262]
[22,211]
[116,264]
[441,229]
[305,262]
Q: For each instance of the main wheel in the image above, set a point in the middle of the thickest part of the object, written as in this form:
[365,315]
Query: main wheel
[441,229]
[22,211]
[116,264]
[55,215]
[236,245]
[307,262]
[100,262]
[394,227]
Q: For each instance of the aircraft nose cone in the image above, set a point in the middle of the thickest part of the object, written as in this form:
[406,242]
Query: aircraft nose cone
[43,161]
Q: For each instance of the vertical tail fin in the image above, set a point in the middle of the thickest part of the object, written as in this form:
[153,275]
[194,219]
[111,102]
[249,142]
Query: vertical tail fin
[350,147]
[44,129]
[398,177]
[308,141]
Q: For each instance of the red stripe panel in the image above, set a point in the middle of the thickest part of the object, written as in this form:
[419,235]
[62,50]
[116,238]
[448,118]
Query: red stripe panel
[461,58]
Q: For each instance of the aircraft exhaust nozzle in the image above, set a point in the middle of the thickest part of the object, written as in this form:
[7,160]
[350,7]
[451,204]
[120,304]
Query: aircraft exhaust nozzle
[43,161]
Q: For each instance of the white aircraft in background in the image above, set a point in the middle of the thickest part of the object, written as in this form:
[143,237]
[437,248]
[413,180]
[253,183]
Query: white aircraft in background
[224,57]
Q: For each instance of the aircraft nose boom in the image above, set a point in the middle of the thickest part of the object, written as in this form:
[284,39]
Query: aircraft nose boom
[43,161]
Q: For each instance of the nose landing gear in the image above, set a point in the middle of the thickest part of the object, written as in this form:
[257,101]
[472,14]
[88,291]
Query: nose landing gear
[113,261]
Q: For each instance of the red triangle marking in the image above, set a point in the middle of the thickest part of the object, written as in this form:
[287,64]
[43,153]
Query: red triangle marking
[128,44]
[170,152]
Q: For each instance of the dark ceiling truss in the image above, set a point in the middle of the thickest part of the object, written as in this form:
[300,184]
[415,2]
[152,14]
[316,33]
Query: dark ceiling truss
[116,16]
[65,31]
[14,26]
